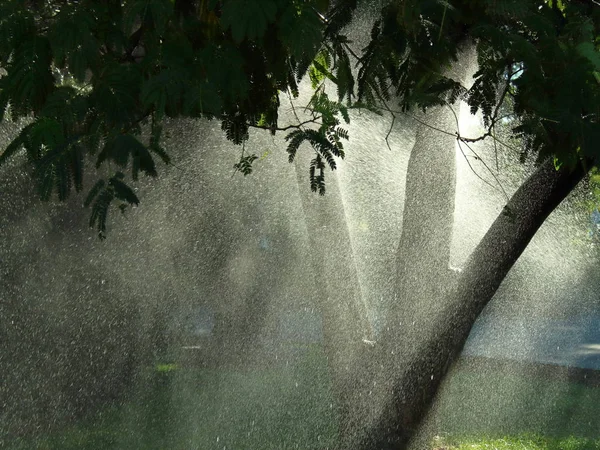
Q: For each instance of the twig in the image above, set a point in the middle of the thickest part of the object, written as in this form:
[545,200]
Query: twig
[289,127]
[235,169]
[494,118]
[489,170]
[459,139]
[293,107]
[387,142]
[472,168]
[422,122]
[495,150]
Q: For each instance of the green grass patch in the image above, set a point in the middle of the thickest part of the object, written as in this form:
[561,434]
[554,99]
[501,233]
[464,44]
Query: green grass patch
[290,406]
[513,402]
[166,367]
[524,442]
[274,408]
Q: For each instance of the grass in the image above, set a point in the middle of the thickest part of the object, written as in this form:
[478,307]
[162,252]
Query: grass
[291,407]
[483,401]
[278,408]
[524,442]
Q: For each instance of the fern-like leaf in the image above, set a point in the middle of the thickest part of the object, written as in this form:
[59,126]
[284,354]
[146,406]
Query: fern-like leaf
[245,164]
[295,139]
[99,214]
[122,191]
[94,191]
[102,195]
[235,127]
[16,144]
[317,179]
[119,148]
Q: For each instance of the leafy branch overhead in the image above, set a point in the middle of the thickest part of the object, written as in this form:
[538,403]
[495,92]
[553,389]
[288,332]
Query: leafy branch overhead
[102,195]
[93,77]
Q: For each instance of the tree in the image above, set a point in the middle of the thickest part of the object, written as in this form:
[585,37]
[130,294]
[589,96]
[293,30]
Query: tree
[517,44]
[93,77]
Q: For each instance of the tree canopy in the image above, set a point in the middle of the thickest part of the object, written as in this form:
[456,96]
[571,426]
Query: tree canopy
[90,75]
[95,80]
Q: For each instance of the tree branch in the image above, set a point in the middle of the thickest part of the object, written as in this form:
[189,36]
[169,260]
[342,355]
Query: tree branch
[289,127]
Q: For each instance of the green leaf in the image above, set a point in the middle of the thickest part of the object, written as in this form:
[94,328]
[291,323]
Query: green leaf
[248,19]
[115,95]
[295,139]
[161,12]
[164,91]
[119,148]
[319,69]
[45,132]
[73,41]
[77,166]
[317,180]
[245,164]
[66,105]
[236,128]
[155,146]
[102,195]
[123,192]
[98,186]
[301,31]
[29,79]
[588,51]
[15,145]
[99,213]
[345,79]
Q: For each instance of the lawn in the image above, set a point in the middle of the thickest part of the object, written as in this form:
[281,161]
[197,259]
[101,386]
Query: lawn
[512,399]
[289,406]
[524,442]
[279,408]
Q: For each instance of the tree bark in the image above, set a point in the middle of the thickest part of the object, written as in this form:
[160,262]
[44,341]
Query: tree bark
[424,250]
[422,276]
[421,356]
[422,258]
[342,306]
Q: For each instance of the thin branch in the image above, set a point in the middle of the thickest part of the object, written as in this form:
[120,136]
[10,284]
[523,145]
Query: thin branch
[473,169]
[494,117]
[351,51]
[439,130]
[489,170]
[495,149]
[293,107]
[501,142]
[289,127]
[455,118]
[422,122]
[387,136]
[458,139]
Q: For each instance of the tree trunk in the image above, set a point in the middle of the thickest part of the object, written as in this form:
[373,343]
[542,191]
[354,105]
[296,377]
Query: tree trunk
[422,269]
[422,355]
[423,272]
[336,282]
[424,251]
[422,258]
